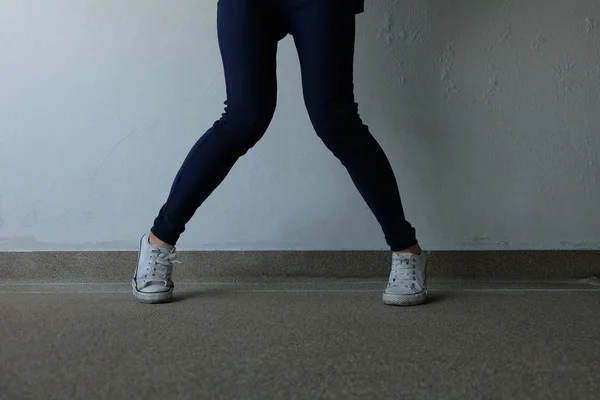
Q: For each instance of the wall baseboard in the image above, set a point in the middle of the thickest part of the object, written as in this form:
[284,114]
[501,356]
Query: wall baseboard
[198,266]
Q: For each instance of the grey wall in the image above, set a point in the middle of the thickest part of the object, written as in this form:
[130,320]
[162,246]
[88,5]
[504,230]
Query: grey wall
[488,110]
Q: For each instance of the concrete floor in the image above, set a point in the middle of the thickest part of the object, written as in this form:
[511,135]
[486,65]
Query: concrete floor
[304,340]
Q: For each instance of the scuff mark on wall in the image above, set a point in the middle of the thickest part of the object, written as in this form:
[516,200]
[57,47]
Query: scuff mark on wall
[87,217]
[580,245]
[109,154]
[564,77]
[27,243]
[591,24]
[538,43]
[31,219]
[493,87]
[485,241]
[155,122]
[447,63]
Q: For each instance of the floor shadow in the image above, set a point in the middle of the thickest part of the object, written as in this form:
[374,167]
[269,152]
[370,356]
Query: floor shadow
[437,297]
[207,293]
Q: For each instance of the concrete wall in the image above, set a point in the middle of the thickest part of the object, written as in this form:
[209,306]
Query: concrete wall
[488,110]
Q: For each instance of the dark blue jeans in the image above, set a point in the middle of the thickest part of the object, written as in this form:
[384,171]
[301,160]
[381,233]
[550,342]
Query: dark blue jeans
[324,34]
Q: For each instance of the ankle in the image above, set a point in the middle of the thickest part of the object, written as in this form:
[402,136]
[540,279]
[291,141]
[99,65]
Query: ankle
[415,249]
[154,241]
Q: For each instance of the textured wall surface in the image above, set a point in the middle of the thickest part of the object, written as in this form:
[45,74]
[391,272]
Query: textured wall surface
[488,110]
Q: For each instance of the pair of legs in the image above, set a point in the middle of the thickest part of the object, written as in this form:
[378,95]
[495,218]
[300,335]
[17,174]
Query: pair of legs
[324,34]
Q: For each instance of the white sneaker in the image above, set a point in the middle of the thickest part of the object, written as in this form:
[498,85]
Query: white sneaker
[152,280]
[407,285]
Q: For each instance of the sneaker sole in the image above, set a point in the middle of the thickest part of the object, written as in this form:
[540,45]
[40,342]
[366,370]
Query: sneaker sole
[404,299]
[151,298]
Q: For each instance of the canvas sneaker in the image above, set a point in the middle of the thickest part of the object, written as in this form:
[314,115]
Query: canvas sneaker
[407,285]
[152,279]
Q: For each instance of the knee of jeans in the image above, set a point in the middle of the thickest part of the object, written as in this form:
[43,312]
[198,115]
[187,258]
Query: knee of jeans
[337,126]
[248,122]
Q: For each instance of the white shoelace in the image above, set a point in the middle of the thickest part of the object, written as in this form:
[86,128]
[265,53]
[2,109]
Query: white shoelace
[160,268]
[404,273]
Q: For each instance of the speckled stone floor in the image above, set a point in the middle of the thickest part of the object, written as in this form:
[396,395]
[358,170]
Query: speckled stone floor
[302,339]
